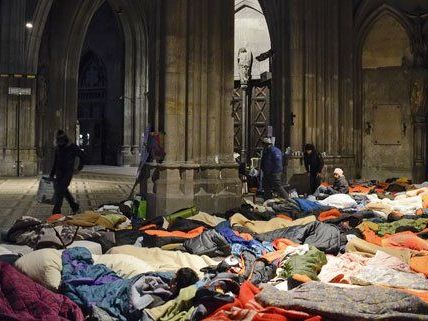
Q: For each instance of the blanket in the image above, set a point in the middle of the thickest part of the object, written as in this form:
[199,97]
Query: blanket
[23,299]
[94,285]
[162,260]
[324,237]
[267,226]
[352,304]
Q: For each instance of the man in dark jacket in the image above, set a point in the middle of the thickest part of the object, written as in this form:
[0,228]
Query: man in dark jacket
[314,165]
[271,166]
[66,155]
[340,185]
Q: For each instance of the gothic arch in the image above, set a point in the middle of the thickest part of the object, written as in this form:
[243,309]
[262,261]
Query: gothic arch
[40,17]
[246,4]
[69,38]
[368,13]
[366,24]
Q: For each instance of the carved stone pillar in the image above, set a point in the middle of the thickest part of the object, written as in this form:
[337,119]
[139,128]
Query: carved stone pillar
[419,148]
[317,87]
[196,79]
[418,105]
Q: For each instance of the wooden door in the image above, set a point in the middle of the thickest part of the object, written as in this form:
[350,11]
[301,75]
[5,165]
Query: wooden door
[259,117]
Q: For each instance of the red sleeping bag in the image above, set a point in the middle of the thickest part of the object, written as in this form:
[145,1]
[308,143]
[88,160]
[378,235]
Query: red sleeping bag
[23,299]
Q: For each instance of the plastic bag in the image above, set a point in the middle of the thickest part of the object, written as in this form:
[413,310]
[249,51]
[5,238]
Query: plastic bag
[45,192]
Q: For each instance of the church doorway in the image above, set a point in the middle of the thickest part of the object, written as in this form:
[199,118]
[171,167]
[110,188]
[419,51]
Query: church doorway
[387,138]
[251,32]
[100,89]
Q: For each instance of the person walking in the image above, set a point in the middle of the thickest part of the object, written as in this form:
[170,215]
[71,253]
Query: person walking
[66,155]
[314,164]
[271,166]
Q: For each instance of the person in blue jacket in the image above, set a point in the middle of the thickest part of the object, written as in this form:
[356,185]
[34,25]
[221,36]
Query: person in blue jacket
[271,166]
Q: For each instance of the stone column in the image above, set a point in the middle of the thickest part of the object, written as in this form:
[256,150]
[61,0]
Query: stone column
[197,77]
[125,156]
[419,148]
[419,106]
[319,86]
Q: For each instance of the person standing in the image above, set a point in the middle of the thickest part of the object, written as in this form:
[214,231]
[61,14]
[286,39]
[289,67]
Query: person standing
[314,164]
[271,166]
[66,155]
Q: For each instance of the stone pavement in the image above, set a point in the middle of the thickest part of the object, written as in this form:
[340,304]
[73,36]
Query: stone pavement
[18,195]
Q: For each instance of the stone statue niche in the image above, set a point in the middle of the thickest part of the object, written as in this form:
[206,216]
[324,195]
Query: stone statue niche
[245,63]
[418,96]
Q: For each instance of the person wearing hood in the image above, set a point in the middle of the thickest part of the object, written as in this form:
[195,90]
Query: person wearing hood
[314,164]
[271,166]
[64,166]
[340,185]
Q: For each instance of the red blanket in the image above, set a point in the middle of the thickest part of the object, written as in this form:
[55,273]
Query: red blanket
[23,299]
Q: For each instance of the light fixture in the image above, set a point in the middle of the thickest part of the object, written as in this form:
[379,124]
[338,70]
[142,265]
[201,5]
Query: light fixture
[29,25]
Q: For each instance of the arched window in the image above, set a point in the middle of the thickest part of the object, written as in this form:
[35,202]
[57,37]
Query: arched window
[386,44]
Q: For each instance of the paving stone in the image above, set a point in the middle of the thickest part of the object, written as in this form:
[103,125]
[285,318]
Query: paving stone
[18,195]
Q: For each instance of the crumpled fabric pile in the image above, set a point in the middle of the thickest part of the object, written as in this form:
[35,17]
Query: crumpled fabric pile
[357,256]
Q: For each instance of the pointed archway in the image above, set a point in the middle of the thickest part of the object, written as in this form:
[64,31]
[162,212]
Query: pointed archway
[61,44]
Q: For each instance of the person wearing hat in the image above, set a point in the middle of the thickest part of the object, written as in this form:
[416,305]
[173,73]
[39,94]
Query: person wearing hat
[340,185]
[64,166]
[271,166]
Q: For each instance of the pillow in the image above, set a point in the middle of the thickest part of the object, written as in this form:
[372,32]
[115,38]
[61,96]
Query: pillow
[339,201]
[93,247]
[43,266]
[126,266]
[4,251]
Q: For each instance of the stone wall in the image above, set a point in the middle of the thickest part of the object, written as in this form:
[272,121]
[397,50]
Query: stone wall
[13,73]
[12,136]
[312,83]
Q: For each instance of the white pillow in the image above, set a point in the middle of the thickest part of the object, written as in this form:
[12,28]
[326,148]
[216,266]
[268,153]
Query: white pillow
[339,201]
[126,266]
[43,266]
[4,251]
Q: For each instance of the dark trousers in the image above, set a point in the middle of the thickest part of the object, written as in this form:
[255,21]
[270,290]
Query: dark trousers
[325,191]
[273,183]
[314,182]
[61,191]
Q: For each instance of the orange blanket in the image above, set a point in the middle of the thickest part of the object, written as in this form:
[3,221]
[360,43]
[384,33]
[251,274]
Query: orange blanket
[406,239]
[328,215]
[246,308]
[361,189]
[419,264]
[188,235]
